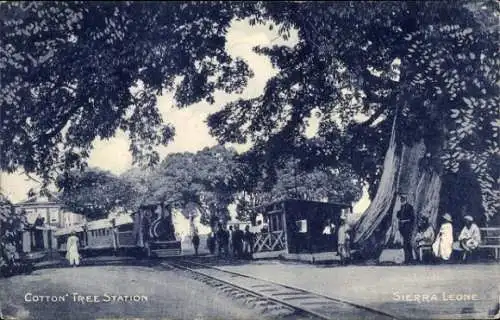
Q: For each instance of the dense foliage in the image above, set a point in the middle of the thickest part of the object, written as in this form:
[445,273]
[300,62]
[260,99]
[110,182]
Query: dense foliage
[201,181]
[95,193]
[67,69]
[12,223]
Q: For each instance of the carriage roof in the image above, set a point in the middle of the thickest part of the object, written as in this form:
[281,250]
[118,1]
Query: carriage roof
[66,231]
[123,219]
[96,225]
[99,224]
[107,223]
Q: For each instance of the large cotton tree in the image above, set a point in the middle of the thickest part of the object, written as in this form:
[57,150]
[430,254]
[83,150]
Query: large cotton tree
[425,77]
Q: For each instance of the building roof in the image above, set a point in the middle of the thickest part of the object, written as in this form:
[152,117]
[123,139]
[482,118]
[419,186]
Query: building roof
[47,198]
[68,230]
[40,200]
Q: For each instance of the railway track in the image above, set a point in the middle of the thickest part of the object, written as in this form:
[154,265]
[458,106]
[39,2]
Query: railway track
[274,299]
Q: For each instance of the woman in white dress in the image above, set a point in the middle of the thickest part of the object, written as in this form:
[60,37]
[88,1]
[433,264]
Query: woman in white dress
[443,245]
[72,253]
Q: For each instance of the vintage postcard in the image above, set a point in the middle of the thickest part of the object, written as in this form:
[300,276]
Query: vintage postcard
[249,160]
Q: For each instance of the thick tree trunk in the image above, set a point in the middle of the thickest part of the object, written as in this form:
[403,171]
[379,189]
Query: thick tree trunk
[403,172]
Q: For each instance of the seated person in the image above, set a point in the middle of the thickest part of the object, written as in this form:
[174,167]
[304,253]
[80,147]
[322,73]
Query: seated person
[424,237]
[329,228]
[470,236]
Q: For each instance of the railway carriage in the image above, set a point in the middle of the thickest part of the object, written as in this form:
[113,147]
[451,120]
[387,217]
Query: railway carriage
[294,229]
[148,232]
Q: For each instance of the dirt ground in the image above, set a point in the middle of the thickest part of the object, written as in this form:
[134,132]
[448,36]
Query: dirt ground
[168,295]
[418,292]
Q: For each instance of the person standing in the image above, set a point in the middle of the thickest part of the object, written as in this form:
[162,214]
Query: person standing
[220,239]
[238,241]
[230,239]
[344,241]
[247,242]
[211,242]
[443,245]
[406,217]
[72,253]
[225,242]
[196,242]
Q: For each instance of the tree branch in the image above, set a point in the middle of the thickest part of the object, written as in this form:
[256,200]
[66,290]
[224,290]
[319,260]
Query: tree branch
[372,118]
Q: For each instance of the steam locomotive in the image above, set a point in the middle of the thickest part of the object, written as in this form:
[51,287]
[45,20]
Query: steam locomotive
[149,232]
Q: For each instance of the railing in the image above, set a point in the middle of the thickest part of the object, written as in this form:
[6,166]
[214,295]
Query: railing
[491,240]
[269,241]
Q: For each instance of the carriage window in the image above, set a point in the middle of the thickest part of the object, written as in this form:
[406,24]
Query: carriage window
[126,227]
[301,226]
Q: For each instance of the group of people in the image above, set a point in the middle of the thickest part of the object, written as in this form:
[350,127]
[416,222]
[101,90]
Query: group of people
[443,243]
[235,242]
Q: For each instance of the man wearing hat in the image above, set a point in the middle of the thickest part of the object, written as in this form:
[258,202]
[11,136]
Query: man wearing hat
[406,218]
[470,236]
[443,245]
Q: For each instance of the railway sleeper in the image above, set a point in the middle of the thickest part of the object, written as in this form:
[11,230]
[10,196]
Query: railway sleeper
[242,294]
[263,303]
[229,289]
[251,299]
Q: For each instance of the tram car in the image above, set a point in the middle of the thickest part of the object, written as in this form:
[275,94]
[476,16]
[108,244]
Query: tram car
[100,236]
[149,232]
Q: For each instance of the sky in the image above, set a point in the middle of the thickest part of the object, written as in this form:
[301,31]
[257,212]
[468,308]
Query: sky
[191,131]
